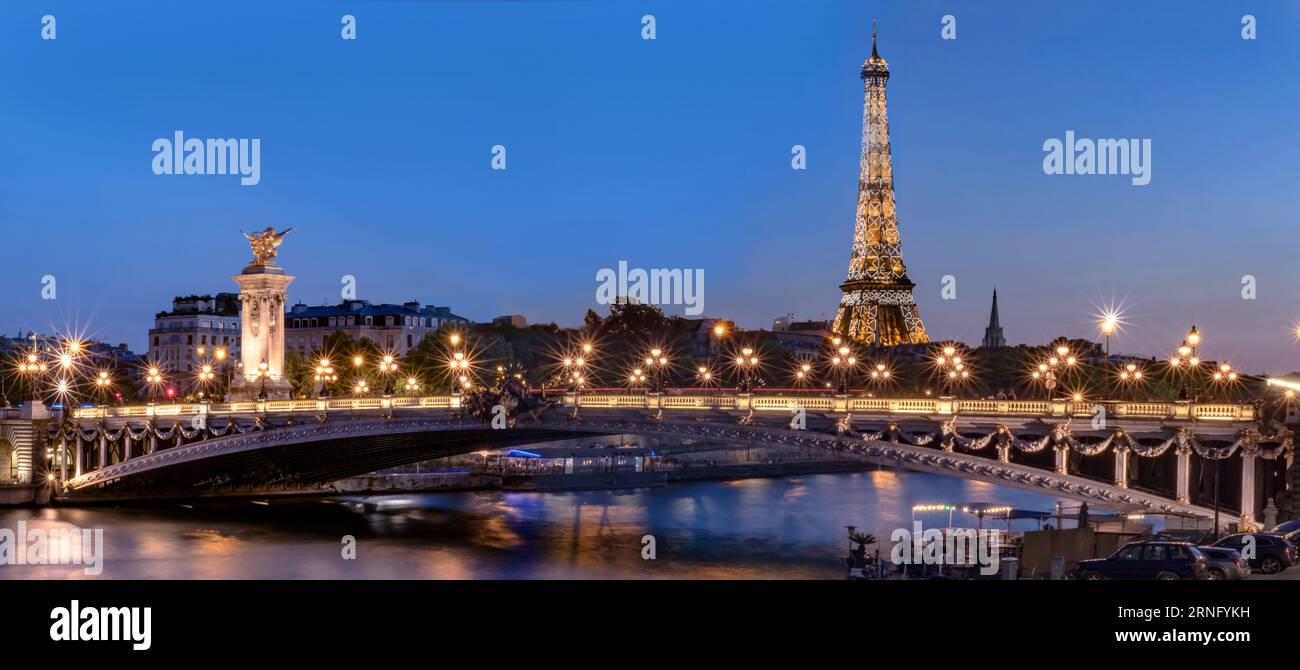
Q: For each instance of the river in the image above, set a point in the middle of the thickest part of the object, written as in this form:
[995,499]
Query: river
[749,529]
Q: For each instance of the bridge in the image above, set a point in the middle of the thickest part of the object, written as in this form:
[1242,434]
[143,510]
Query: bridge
[1151,456]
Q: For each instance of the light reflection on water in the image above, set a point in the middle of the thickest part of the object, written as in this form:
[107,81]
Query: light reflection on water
[756,528]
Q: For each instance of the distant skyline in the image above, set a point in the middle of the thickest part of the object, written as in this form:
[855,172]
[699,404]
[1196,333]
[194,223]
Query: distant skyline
[671,153]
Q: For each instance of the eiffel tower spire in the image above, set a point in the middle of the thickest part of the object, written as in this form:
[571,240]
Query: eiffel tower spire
[877,306]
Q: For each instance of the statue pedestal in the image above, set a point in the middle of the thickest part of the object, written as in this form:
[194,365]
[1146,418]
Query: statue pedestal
[261,348]
[244,390]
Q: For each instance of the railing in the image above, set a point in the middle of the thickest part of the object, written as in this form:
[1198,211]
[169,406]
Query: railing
[1178,411]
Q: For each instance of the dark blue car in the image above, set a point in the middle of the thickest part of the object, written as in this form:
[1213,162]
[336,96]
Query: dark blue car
[1150,559]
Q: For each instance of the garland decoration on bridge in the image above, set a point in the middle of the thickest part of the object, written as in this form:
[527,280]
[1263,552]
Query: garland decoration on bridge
[71,432]
[1060,435]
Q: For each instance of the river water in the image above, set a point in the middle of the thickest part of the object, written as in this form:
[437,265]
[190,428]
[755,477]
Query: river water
[756,528]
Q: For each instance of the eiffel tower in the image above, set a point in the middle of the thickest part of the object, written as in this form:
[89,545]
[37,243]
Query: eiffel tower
[877,306]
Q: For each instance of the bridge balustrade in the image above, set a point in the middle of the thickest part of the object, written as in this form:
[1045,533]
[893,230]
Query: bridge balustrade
[762,402]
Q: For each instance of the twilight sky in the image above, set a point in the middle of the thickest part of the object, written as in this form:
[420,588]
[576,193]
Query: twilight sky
[666,153]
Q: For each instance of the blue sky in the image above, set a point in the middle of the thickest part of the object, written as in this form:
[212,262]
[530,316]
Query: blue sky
[666,153]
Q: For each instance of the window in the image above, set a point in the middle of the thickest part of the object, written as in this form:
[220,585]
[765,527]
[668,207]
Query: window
[1157,552]
[1130,553]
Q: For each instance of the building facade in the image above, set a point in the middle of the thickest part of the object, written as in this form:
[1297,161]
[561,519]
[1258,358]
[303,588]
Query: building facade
[394,329]
[193,332]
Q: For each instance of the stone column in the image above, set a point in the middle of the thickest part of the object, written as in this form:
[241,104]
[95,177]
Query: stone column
[1004,453]
[1062,459]
[126,443]
[153,439]
[1184,474]
[1249,460]
[103,451]
[63,459]
[1121,467]
[261,296]
[77,444]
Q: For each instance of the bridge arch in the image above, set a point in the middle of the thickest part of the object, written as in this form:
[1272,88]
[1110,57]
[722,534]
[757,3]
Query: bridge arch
[308,451]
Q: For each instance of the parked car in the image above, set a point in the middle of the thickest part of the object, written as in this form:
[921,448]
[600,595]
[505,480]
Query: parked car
[1288,529]
[1148,559]
[1225,563]
[1272,553]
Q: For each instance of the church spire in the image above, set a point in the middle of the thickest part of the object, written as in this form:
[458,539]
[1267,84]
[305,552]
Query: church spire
[993,334]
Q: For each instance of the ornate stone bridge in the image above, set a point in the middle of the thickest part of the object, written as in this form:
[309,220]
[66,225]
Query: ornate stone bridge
[1087,451]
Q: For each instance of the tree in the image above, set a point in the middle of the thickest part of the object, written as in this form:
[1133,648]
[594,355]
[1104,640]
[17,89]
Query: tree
[300,373]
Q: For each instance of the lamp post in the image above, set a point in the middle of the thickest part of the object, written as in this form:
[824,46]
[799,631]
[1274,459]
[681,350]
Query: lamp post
[324,376]
[204,376]
[1108,325]
[102,383]
[657,363]
[220,355]
[719,331]
[153,379]
[1131,375]
[1186,359]
[1225,377]
[747,362]
[880,375]
[952,367]
[387,366]
[803,374]
[32,367]
[1060,361]
[263,371]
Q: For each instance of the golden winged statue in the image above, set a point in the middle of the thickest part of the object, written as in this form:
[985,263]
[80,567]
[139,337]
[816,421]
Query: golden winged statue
[264,244]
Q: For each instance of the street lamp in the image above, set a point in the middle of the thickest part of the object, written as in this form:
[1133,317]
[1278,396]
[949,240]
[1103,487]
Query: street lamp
[220,355]
[951,367]
[803,375]
[880,375]
[387,366]
[1186,359]
[32,368]
[719,331]
[747,362]
[1131,375]
[324,376]
[153,378]
[657,363]
[1108,324]
[1061,361]
[102,383]
[263,371]
[205,376]
[1226,377]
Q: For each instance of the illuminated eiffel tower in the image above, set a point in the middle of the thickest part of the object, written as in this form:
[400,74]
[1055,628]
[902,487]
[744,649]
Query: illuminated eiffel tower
[877,306]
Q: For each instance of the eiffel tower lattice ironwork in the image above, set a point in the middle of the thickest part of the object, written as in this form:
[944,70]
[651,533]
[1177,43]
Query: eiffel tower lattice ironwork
[877,306]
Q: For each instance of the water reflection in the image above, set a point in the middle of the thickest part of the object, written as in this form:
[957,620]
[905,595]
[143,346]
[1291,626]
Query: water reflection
[759,528]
